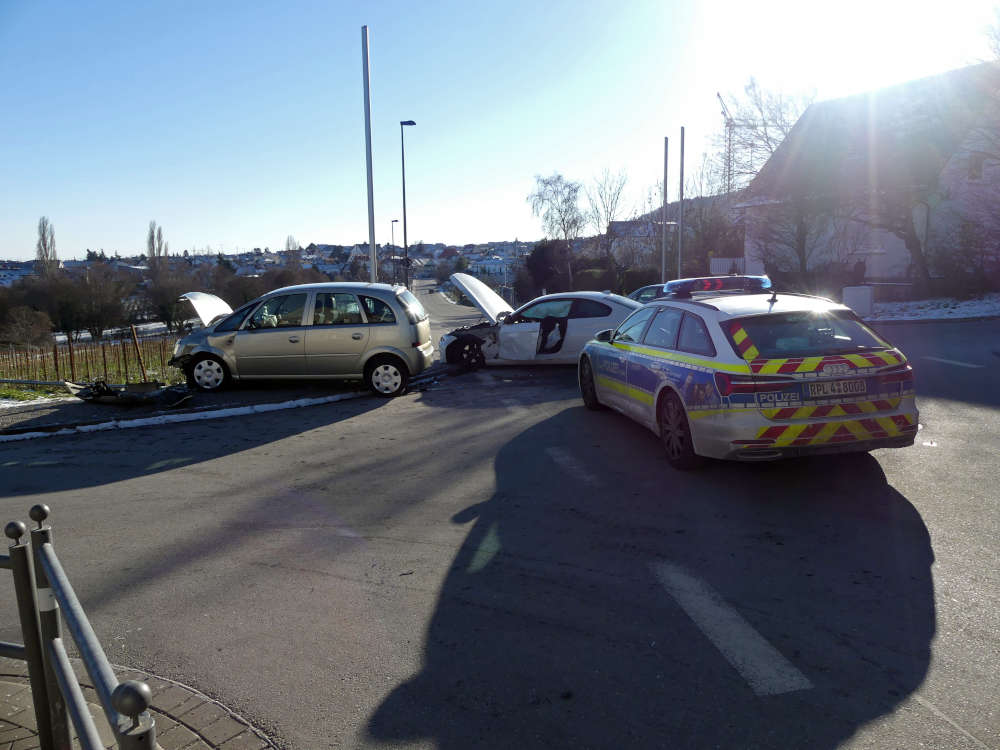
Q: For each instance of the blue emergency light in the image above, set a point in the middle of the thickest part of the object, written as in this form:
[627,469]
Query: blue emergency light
[685,287]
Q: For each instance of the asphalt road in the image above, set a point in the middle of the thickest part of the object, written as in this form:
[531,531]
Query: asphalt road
[487,564]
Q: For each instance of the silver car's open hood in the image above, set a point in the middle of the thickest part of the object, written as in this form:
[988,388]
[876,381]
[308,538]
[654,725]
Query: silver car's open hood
[208,306]
[489,302]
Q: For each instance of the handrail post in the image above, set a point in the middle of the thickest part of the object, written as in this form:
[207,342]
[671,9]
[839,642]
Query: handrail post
[49,628]
[24,590]
[132,698]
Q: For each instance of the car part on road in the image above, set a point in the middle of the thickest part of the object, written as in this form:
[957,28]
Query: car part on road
[100,392]
[675,433]
[208,373]
[386,376]
[587,389]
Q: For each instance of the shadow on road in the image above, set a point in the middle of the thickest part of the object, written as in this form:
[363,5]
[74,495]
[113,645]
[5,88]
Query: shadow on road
[555,627]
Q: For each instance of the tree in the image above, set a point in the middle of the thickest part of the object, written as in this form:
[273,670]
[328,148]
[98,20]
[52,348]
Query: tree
[756,123]
[293,253]
[46,261]
[543,264]
[604,199]
[26,327]
[156,249]
[556,201]
[103,291]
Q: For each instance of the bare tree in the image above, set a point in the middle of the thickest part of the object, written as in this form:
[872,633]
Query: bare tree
[156,249]
[755,125]
[293,253]
[46,261]
[556,200]
[993,34]
[604,199]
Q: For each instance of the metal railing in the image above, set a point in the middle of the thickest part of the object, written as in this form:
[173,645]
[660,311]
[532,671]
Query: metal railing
[43,592]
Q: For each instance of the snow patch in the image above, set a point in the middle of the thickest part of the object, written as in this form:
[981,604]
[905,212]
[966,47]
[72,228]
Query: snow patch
[938,308]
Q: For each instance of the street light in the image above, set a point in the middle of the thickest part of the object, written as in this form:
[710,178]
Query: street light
[392,246]
[406,249]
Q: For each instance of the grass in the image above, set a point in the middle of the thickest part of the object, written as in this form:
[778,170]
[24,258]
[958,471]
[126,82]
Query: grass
[29,393]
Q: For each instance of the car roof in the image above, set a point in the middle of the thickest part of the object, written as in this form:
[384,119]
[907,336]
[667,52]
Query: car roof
[739,305]
[598,296]
[355,285]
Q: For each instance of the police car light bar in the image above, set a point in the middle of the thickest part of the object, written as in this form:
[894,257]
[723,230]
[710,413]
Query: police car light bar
[684,287]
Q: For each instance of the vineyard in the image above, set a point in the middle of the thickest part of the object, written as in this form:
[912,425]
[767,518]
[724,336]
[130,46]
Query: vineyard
[116,361]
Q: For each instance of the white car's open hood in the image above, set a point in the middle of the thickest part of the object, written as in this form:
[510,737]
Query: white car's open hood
[208,306]
[489,302]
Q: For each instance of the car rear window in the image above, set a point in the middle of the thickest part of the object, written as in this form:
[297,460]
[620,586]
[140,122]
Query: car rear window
[802,334]
[414,310]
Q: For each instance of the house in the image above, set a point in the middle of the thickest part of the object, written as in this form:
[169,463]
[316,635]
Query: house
[890,184]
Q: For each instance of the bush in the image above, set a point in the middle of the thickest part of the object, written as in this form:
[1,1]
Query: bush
[594,279]
[634,278]
[27,327]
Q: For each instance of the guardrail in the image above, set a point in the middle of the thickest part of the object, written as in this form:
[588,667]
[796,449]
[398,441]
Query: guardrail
[43,592]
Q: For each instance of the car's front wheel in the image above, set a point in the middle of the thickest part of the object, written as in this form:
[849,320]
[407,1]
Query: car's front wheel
[386,376]
[675,434]
[588,391]
[208,373]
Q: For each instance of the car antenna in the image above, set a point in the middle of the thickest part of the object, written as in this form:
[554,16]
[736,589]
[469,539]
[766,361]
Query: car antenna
[774,296]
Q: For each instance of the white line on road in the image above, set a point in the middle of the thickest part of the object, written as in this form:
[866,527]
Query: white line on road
[565,461]
[760,664]
[941,715]
[957,364]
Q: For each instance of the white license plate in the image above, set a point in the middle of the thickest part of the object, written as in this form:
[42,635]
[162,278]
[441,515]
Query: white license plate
[837,388]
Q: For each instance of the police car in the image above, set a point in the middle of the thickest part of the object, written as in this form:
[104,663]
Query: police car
[724,367]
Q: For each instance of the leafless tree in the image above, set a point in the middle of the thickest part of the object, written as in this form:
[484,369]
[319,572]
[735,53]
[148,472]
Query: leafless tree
[46,261]
[293,253]
[755,125]
[604,198]
[556,200]
[156,249]
[993,34]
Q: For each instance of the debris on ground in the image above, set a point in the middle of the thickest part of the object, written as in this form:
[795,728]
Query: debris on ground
[99,392]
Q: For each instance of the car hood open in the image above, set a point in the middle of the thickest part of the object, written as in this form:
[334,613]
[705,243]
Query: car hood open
[208,306]
[489,302]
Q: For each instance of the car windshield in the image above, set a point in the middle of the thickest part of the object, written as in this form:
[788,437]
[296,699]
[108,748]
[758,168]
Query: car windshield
[802,334]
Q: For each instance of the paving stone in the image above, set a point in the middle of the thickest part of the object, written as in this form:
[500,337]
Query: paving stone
[176,738]
[170,698]
[190,703]
[246,741]
[28,743]
[203,715]
[14,733]
[220,730]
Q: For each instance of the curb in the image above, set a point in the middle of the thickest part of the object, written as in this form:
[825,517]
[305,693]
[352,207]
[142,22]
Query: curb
[185,717]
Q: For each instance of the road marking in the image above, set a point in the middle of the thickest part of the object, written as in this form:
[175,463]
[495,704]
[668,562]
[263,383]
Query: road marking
[953,362]
[760,664]
[565,461]
[941,715]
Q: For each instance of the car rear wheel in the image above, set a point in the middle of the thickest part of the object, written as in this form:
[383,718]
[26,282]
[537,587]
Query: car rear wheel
[587,389]
[386,376]
[208,373]
[675,434]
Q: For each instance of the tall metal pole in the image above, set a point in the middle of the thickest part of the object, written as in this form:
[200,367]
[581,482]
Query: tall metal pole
[406,249]
[680,219]
[373,260]
[392,229]
[663,237]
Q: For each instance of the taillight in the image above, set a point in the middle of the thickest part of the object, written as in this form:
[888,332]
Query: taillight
[899,375]
[729,384]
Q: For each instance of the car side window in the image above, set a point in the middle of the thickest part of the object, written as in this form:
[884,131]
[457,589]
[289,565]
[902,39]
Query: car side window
[663,330]
[648,295]
[336,309]
[632,327]
[377,310]
[589,308]
[554,308]
[694,336]
[279,312]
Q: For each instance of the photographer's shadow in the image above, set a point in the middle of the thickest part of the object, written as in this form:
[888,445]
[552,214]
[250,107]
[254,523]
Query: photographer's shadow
[560,623]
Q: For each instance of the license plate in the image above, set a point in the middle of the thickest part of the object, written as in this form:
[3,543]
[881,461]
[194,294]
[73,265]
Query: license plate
[837,388]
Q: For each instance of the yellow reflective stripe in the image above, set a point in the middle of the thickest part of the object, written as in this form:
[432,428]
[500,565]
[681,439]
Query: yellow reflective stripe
[857,429]
[626,390]
[809,364]
[837,411]
[771,366]
[826,433]
[858,360]
[868,406]
[751,353]
[739,335]
[888,425]
[683,358]
[790,433]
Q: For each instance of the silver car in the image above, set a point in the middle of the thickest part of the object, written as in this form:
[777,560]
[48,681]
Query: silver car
[346,331]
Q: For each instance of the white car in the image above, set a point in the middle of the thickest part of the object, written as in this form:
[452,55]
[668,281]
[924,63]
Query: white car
[552,329]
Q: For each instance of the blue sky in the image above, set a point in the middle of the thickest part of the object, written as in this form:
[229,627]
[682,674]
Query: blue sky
[235,124]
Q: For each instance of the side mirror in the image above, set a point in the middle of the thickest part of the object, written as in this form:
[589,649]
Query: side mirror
[503,317]
[603,336]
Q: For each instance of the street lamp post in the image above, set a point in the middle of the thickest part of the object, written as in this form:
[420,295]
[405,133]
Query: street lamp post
[406,249]
[392,245]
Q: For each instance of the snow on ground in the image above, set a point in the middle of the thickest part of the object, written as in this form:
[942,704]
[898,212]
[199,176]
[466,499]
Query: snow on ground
[8,403]
[938,308]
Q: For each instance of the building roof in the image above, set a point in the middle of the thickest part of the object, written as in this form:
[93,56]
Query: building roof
[901,135]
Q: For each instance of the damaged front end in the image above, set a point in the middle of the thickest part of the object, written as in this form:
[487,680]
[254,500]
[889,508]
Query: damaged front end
[469,347]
